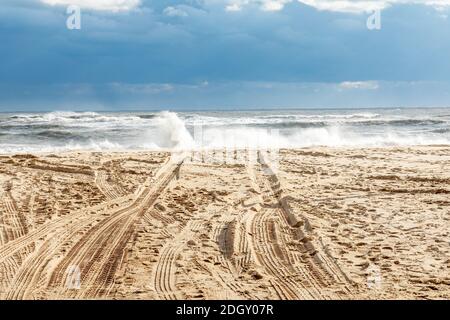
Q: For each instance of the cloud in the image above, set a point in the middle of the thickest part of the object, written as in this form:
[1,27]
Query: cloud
[345,6]
[240,94]
[146,88]
[274,5]
[359,6]
[104,5]
[175,12]
[264,5]
[351,6]
[143,49]
[233,7]
[361,85]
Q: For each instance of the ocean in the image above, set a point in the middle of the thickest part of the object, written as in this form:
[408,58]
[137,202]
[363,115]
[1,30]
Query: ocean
[64,131]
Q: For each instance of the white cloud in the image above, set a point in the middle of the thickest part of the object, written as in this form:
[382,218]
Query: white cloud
[175,12]
[364,85]
[233,7]
[236,5]
[142,88]
[105,5]
[274,5]
[349,6]
[354,6]
[359,6]
[265,5]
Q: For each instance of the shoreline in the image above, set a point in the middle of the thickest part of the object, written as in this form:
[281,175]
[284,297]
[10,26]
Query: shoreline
[170,150]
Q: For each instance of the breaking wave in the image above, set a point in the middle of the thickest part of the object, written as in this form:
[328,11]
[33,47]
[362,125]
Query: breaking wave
[60,131]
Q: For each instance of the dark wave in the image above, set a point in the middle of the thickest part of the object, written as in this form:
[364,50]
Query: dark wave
[56,134]
[405,122]
[291,125]
[25,117]
[147,116]
[281,125]
[322,124]
[30,126]
[443,130]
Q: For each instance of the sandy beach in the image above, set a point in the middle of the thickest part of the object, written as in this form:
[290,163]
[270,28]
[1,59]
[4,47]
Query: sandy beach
[311,223]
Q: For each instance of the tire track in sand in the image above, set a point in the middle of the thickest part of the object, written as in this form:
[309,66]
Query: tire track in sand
[34,269]
[109,190]
[163,277]
[14,226]
[14,221]
[272,230]
[99,252]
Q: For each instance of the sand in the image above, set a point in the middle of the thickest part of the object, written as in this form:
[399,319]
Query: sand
[317,223]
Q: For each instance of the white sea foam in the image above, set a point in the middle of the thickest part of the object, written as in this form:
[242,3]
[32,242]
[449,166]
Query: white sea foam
[59,131]
[170,132]
[330,136]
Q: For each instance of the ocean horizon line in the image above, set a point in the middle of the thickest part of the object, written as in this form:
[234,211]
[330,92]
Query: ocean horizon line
[221,109]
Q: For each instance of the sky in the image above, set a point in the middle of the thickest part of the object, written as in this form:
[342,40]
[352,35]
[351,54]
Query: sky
[224,54]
